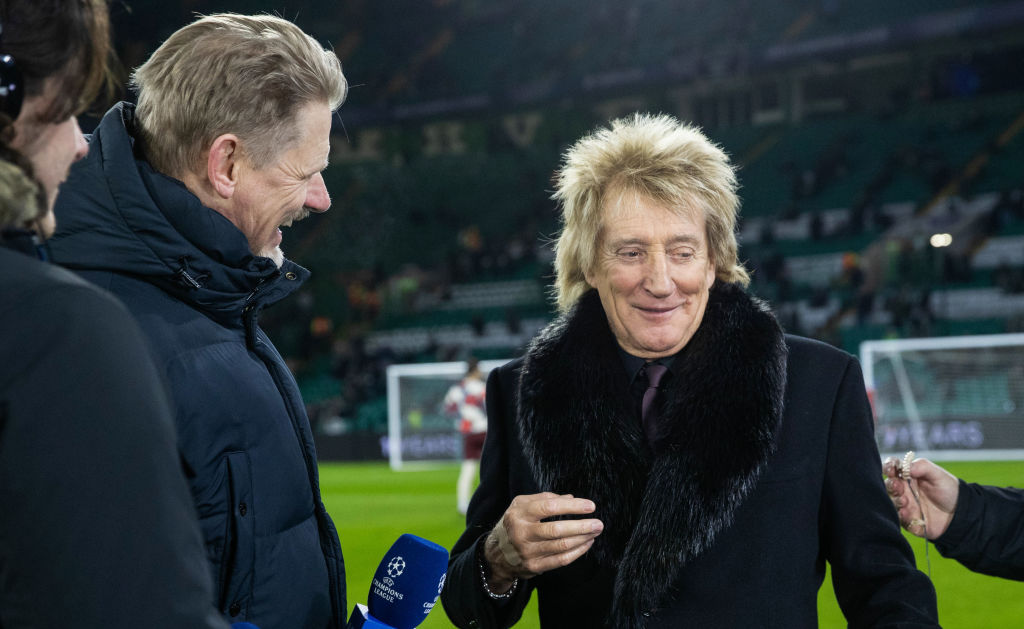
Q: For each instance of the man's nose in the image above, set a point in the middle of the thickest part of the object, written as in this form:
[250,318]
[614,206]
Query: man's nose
[81,146]
[317,197]
[657,275]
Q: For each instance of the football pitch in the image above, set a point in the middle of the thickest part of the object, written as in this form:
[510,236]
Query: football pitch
[372,505]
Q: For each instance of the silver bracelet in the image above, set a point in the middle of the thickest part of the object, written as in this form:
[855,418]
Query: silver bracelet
[481,563]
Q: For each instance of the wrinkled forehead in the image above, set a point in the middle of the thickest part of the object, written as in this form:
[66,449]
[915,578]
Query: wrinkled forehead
[306,140]
[620,202]
[315,122]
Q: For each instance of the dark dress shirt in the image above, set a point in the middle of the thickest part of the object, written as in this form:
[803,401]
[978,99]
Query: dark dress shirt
[637,378]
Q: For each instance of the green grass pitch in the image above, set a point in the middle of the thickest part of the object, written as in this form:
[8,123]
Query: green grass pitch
[372,505]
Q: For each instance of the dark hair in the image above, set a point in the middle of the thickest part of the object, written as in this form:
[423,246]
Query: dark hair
[67,40]
[64,40]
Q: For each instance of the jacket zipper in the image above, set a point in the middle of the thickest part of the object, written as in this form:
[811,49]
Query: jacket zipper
[249,320]
[249,311]
[333,578]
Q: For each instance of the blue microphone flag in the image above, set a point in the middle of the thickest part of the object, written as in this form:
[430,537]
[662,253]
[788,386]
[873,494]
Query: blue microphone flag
[361,619]
[407,582]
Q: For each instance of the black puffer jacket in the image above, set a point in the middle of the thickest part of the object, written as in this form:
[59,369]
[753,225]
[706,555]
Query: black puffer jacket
[97,528]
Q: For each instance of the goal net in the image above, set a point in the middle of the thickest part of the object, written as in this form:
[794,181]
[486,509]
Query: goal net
[948,398]
[419,429]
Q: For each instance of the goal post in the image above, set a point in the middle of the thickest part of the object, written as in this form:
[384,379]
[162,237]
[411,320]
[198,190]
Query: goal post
[419,430]
[948,398]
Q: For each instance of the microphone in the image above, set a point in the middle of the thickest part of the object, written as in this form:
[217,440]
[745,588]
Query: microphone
[405,587]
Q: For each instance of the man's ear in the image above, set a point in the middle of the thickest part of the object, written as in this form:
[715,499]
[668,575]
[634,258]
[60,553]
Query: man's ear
[590,274]
[222,164]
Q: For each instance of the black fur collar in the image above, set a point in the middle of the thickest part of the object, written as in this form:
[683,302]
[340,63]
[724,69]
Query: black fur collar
[663,507]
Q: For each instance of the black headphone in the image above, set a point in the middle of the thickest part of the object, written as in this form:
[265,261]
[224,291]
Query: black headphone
[12,85]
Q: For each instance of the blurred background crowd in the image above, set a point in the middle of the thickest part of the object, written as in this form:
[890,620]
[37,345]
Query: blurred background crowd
[880,144]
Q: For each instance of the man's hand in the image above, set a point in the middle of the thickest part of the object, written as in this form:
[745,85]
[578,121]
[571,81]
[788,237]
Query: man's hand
[937,489]
[521,546]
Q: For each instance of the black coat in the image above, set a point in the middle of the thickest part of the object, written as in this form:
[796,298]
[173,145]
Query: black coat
[97,527]
[764,468]
[986,533]
[188,276]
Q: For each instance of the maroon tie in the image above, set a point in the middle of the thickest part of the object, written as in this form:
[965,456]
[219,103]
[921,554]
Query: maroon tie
[649,411]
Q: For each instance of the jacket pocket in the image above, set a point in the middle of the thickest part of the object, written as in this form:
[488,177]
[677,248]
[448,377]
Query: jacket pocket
[236,566]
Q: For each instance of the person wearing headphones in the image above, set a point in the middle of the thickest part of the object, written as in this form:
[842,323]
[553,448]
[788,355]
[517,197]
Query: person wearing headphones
[98,526]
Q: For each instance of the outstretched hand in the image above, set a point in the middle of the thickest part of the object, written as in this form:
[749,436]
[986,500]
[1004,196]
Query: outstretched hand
[936,489]
[522,546]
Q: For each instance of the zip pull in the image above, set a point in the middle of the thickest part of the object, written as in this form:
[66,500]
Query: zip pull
[185,277]
[251,311]
[249,324]
[259,286]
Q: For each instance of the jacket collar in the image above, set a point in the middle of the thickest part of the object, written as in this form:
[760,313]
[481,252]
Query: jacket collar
[661,507]
[116,213]
[24,241]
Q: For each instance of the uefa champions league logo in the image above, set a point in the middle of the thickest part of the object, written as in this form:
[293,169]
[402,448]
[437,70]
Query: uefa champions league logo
[430,605]
[384,589]
[396,567]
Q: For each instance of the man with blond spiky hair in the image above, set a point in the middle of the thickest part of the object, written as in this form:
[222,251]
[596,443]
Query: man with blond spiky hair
[664,455]
[177,210]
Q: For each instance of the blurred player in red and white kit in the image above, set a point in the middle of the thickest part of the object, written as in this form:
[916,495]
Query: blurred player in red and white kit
[466,400]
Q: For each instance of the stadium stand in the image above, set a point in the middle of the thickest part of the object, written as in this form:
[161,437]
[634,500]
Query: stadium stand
[861,130]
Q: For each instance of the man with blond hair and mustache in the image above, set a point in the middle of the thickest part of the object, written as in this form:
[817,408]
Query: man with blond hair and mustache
[177,210]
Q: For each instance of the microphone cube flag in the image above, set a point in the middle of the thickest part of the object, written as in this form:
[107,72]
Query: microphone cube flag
[361,619]
[407,582]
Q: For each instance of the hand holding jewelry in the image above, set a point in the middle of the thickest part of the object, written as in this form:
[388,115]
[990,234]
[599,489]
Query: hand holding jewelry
[929,508]
[904,469]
